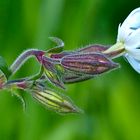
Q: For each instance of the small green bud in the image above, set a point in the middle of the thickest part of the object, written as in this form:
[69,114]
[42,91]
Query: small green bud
[54,101]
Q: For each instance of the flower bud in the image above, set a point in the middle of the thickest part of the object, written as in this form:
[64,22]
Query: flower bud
[52,72]
[87,49]
[54,101]
[88,63]
[92,48]
[73,77]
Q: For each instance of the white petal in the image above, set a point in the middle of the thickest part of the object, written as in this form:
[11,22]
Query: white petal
[133,41]
[130,24]
[133,20]
[134,53]
[123,33]
[133,62]
[120,33]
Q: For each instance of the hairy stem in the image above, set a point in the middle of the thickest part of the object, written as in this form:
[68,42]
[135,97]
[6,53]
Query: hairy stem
[23,57]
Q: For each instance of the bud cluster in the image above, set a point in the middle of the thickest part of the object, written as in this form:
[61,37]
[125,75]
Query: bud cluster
[58,68]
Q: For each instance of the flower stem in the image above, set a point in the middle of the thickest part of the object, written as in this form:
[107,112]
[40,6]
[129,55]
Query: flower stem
[23,57]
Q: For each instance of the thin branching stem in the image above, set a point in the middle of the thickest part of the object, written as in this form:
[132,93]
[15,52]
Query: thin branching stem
[22,58]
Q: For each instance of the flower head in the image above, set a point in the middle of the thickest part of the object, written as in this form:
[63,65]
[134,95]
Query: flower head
[129,33]
[128,39]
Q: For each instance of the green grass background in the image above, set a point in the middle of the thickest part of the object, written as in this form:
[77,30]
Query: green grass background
[111,101]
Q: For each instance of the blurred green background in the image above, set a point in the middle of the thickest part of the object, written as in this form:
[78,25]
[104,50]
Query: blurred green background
[111,101]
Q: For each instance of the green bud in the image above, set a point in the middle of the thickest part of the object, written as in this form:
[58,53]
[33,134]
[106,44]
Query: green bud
[52,72]
[54,101]
[70,77]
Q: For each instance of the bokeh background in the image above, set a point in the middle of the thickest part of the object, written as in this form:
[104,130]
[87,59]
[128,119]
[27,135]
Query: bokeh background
[111,102]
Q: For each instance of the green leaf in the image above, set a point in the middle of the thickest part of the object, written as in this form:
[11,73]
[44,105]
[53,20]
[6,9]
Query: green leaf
[59,47]
[4,67]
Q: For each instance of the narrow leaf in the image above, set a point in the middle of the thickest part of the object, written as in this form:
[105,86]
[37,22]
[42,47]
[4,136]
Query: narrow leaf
[59,47]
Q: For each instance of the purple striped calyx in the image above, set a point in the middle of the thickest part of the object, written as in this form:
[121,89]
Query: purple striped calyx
[88,63]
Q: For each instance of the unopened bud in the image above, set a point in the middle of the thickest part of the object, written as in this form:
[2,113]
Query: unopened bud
[52,72]
[87,49]
[55,101]
[88,63]
[74,77]
[93,48]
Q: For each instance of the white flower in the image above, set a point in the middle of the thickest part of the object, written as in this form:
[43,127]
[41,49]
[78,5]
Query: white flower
[129,39]
[129,36]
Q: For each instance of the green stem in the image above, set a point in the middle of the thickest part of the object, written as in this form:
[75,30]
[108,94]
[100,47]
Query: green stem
[23,57]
